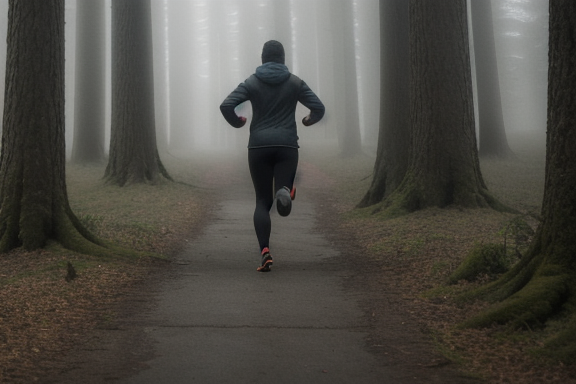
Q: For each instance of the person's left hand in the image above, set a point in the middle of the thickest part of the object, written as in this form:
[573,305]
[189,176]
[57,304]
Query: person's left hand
[243,119]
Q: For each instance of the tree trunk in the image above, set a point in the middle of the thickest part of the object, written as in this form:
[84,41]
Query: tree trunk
[160,44]
[493,141]
[394,134]
[180,91]
[346,117]
[283,28]
[542,284]
[3,31]
[443,166]
[89,106]
[33,198]
[133,153]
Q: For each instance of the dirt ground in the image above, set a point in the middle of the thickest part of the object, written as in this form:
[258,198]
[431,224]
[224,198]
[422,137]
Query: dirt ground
[402,265]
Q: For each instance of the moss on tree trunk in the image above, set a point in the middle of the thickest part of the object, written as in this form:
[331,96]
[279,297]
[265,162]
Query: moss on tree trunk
[443,166]
[394,132]
[542,286]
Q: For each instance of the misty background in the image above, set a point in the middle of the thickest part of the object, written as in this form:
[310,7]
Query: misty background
[204,48]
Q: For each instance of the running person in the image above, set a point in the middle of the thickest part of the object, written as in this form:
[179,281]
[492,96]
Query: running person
[273,144]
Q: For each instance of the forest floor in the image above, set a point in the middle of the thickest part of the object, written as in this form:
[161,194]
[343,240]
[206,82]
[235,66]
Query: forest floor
[42,316]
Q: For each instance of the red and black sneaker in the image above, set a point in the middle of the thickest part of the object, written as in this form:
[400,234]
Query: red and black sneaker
[266,261]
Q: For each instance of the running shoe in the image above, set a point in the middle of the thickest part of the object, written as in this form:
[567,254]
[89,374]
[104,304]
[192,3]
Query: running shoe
[266,261]
[283,201]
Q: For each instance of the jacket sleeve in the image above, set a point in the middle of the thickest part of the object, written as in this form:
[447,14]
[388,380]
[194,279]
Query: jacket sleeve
[309,99]
[237,97]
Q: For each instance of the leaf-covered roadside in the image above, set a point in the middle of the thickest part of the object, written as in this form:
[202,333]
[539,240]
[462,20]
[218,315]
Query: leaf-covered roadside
[411,258]
[42,315]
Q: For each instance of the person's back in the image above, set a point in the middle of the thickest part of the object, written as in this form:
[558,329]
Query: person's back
[274,93]
[273,144]
[273,110]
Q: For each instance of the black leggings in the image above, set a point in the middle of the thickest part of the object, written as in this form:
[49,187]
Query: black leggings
[271,168]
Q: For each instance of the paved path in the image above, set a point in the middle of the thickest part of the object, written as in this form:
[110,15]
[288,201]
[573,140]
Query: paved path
[220,321]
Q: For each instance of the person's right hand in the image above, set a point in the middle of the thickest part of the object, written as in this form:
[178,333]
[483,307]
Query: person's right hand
[243,119]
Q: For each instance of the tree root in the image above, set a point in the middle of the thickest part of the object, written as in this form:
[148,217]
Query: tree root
[543,296]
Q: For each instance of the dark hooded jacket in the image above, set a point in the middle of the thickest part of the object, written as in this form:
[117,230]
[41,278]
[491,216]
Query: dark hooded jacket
[274,93]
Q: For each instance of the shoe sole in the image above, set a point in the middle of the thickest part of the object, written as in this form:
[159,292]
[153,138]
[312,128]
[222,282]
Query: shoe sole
[283,202]
[265,267]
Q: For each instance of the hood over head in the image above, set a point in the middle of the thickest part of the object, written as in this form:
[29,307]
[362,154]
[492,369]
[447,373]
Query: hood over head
[273,51]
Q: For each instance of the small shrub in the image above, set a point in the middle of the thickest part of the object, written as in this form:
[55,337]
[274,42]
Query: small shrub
[484,259]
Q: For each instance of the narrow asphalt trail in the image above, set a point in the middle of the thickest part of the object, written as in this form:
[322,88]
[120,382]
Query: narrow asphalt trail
[211,318]
[219,321]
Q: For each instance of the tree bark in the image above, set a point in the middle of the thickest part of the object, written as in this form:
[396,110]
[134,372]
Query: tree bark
[134,155]
[443,167]
[542,285]
[89,106]
[33,198]
[394,133]
[493,141]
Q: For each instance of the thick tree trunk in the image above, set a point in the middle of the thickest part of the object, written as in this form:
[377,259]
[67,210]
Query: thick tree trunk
[394,134]
[542,284]
[443,165]
[33,198]
[89,106]
[133,153]
[493,141]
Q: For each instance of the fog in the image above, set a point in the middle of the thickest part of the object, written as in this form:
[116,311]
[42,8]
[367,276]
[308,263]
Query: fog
[204,48]
[521,30]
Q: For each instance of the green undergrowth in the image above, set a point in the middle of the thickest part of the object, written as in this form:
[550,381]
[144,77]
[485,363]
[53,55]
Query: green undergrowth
[136,224]
[141,217]
[488,260]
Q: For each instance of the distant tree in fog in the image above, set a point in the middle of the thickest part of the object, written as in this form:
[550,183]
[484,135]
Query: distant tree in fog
[394,134]
[134,155]
[180,67]
[541,286]
[492,133]
[443,166]
[33,198]
[522,38]
[345,116]
[160,44]
[283,27]
[89,98]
